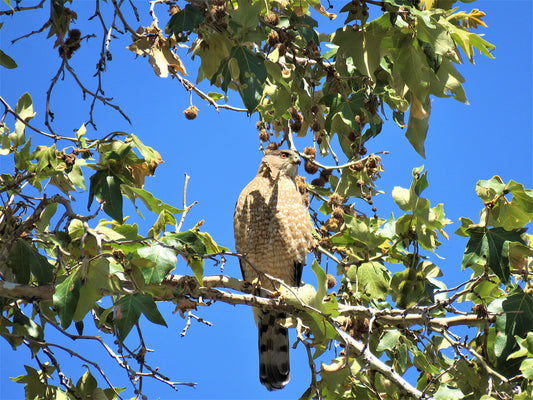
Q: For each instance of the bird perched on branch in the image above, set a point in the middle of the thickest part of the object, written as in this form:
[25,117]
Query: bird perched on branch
[274,233]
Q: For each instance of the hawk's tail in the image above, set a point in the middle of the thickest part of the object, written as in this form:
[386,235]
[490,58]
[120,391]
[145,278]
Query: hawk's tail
[274,367]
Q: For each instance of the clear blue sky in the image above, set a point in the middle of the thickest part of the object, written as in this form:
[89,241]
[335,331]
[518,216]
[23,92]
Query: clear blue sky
[491,136]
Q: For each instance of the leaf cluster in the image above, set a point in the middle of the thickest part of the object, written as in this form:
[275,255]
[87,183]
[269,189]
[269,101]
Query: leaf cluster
[386,312]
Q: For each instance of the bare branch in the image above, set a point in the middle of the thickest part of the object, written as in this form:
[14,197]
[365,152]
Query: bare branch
[17,8]
[189,86]
[18,117]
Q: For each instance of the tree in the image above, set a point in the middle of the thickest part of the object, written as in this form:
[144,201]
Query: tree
[382,310]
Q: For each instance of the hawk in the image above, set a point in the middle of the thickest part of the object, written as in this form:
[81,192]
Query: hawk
[274,232]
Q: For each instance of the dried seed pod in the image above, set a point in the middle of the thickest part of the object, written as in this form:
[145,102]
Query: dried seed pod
[191,112]
[371,163]
[338,214]
[272,146]
[263,135]
[272,18]
[273,38]
[310,168]
[295,126]
[310,151]
[332,224]
[319,182]
[331,281]
[335,200]
[316,127]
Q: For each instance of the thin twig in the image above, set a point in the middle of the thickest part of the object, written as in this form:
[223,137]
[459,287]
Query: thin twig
[28,125]
[17,8]
[189,86]
[186,208]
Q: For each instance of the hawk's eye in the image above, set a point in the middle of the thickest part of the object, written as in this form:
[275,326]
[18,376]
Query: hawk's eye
[283,155]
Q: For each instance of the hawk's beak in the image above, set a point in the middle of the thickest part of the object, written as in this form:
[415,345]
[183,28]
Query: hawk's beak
[296,160]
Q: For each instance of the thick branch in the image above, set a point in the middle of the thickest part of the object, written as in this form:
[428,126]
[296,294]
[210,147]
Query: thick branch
[189,287]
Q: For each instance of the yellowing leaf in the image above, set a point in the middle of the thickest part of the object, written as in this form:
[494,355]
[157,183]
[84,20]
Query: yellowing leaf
[428,4]
[139,172]
[160,55]
[470,20]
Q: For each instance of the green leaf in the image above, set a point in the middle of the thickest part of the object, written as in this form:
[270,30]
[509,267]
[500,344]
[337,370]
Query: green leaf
[153,204]
[518,212]
[129,308]
[22,325]
[446,392]
[106,188]
[86,385]
[34,388]
[24,258]
[334,377]
[44,219]
[449,82]
[468,40]
[362,46]
[184,21]
[66,298]
[99,278]
[402,197]
[246,15]
[418,124]
[487,190]
[210,244]
[388,340]
[76,174]
[252,75]
[515,319]
[491,247]
[322,284]
[187,241]
[24,109]
[6,61]
[372,279]
[157,262]
[410,62]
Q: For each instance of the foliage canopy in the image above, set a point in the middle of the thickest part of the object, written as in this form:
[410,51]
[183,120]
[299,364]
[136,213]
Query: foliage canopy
[63,267]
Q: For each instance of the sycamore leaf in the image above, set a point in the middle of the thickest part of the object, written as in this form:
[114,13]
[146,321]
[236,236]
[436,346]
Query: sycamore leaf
[66,298]
[189,242]
[157,262]
[160,55]
[153,204]
[129,308]
[106,188]
[249,70]
[468,40]
[6,61]
[410,62]
[491,247]
[34,388]
[184,21]
[246,15]
[25,259]
[418,124]
[86,385]
[24,109]
[515,319]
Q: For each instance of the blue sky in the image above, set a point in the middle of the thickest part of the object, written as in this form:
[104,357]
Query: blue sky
[491,136]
